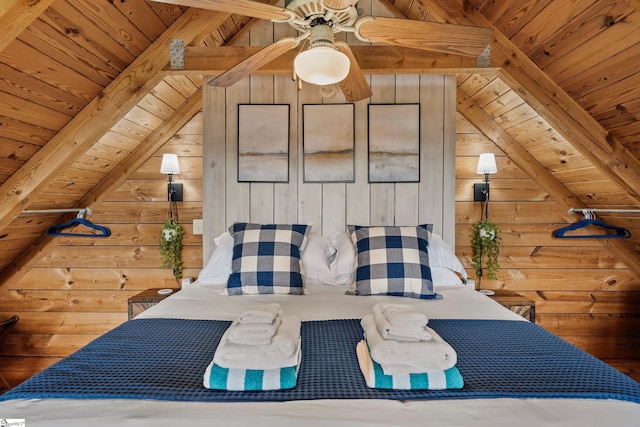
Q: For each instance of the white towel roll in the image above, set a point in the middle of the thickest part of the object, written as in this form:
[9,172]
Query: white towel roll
[265,313]
[401,314]
[396,357]
[279,353]
[254,333]
[408,332]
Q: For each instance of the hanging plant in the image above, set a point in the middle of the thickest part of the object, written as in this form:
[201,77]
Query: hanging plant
[171,246]
[486,244]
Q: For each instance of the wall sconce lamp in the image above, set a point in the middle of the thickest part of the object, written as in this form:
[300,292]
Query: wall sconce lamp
[486,166]
[170,166]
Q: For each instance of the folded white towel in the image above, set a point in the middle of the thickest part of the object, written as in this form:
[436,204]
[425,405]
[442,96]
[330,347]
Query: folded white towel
[407,332]
[401,314]
[219,378]
[253,333]
[280,352]
[398,357]
[431,379]
[265,313]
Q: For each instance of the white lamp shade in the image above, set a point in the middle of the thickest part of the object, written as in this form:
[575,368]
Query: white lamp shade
[322,65]
[487,164]
[170,164]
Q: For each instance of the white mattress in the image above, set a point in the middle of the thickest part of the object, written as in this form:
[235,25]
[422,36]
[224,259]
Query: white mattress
[323,303]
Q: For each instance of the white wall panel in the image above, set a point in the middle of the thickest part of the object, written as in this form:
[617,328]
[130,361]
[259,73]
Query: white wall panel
[330,206]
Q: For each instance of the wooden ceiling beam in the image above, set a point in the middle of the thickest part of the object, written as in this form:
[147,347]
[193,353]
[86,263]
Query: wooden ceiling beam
[545,179]
[549,100]
[100,115]
[16,15]
[372,60]
[93,199]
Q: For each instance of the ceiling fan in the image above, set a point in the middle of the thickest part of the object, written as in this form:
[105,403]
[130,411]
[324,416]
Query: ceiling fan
[326,61]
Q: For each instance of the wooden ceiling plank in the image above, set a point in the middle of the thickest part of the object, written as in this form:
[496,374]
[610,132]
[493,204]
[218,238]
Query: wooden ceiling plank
[99,116]
[15,129]
[107,17]
[16,15]
[590,23]
[476,83]
[33,114]
[397,8]
[183,85]
[545,179]
[10,148]
[493,10]
[44,38]
[616,97]
[617,68]
[551,102]
[69,21]
[143,117]
[38,92]
[36,63]
[166,12]
[544,20]
[142,15]
[166,93]
[131,129]
[109,184]
[156,106]
[617,37]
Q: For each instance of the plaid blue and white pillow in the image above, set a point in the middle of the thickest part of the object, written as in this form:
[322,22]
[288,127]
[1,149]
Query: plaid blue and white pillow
[266,259]
[393,261]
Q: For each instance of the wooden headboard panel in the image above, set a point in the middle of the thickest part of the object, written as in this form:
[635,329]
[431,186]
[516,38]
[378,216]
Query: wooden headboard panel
[330,206]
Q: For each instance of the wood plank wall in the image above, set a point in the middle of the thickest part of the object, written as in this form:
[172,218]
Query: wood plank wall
[79,291]
[582,293]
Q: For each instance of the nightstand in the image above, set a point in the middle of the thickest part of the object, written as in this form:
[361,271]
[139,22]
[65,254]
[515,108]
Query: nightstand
[516,303]
[144,300]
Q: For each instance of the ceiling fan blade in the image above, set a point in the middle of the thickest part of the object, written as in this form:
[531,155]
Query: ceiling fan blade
[447,38]
[252,63]
[354,87]
[339,4]
[238,7]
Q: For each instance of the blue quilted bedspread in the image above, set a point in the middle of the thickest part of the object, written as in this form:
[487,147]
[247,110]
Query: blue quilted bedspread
[164,359]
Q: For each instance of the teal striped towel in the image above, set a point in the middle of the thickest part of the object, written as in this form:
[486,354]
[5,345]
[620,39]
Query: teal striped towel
[218,378]
[432,379]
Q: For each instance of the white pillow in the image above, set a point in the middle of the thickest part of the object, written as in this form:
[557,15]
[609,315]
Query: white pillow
[343,265]
[218,268]
[315,260]
[441,255]
[444,277]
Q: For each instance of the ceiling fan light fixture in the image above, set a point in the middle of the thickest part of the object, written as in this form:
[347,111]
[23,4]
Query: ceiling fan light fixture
[322,65]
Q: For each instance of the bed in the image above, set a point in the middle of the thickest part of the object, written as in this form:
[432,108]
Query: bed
[149,370]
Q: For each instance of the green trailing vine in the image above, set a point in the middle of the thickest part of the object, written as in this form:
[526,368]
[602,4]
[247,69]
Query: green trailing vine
[171,246]
[486,245]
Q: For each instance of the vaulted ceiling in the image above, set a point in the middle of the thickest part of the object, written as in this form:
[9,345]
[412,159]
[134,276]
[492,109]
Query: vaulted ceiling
[84,99]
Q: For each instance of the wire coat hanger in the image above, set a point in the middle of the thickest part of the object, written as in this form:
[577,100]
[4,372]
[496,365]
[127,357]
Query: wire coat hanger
[590,220]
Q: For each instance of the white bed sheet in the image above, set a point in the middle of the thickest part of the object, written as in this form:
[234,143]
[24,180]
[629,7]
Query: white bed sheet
[323,303]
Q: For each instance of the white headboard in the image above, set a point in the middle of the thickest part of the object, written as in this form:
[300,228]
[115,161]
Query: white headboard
[330,206]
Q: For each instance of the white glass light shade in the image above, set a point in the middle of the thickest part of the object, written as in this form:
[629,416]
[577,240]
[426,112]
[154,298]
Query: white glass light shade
[487,164]
[321,65]
[170,164]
